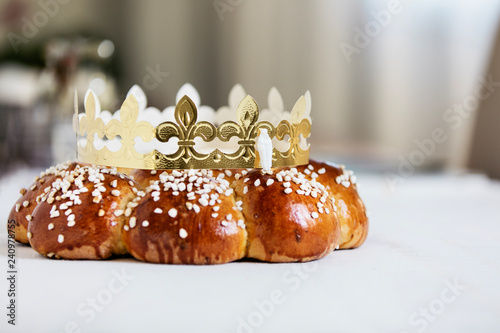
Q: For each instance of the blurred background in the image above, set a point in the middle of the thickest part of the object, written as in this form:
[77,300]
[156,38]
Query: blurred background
[397,86]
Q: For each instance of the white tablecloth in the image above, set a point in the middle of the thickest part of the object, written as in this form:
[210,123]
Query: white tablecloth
[431,263]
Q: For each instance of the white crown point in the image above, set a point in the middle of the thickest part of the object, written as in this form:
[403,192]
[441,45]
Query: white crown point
[206,113]
[139,95]
[275,101]
[236,95]
[168,114]
[307,96]
[106,116]
[298,110]
[151,115]
[187,89]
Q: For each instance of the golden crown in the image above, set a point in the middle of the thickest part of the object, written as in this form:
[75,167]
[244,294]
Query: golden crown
[185,137]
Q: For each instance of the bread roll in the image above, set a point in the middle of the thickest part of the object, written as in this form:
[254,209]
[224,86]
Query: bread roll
[81,215]
[341,186]
[288,218]
[22,211]
[186,217]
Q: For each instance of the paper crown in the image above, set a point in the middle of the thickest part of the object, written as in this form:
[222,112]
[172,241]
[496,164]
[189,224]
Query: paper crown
[186,137]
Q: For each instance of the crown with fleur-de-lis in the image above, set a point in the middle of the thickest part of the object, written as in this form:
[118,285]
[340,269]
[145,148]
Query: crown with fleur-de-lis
[186,136]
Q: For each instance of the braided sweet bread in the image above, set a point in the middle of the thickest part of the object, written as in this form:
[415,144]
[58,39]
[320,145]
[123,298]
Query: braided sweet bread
[341,186]
[298,214]
[22,211]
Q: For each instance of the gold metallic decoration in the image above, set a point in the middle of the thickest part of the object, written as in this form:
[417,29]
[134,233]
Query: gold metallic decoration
[186,128]
[298,127]
[127,128]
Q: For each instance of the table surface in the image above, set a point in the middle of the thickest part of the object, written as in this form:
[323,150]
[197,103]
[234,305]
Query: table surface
[431,263]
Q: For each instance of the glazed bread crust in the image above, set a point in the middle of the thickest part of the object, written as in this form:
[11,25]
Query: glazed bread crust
[186,217]
[282,226]
[76,211]
[22,211]
[82,215]
[341,186]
